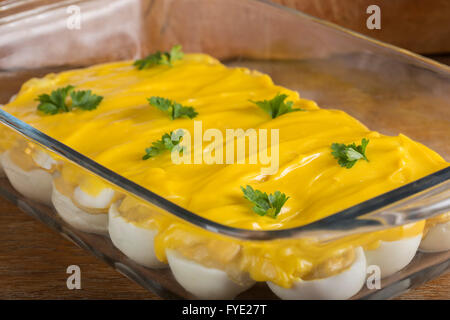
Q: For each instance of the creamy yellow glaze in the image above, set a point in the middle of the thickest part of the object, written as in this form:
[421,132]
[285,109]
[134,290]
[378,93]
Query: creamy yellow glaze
[124,124]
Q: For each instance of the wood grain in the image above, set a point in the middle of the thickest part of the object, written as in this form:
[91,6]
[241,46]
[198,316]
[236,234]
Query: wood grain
[34,259]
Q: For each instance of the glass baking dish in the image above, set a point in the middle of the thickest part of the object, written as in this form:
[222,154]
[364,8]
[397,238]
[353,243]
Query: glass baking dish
[388,89]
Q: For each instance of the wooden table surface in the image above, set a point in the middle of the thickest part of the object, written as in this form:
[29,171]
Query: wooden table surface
[34,259]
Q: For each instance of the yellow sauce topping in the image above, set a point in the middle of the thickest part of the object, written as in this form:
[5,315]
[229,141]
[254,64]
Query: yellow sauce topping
[117,133]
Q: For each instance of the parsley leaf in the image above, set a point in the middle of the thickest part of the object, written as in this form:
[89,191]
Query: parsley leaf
[276,106]
[160,58]
[175,54]
[168,141]
[174,109]
[265,205]
[85,100]
[54,102]
[347,155]
[151,60]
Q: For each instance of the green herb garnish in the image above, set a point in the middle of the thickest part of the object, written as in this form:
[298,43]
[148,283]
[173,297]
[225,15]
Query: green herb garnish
[347,155]
[56,101]
[158,58]
[84,99]
[175,54]
[168,141]
[265,205]
[276,106]
[174,109]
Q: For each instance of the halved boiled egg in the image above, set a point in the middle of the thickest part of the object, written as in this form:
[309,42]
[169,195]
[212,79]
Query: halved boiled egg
[35,184]
[135,242]
[392,256]
[94,222]
[2,171]
[336,287]
[437,238]
[203,282]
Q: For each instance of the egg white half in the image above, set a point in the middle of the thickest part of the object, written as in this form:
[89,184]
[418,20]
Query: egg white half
[78,218]
[135,242]
[337,287]
[203,282]
[43,159]
[99,201]
[2,171]
[35,184]
[437,238]
[392,256]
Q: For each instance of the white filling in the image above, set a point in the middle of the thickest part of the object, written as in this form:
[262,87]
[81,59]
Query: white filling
[203,282]
[43,159]
[341,286]
[99,201]
[136,243]
[35,184]
[392,256]
[77,218]
[437,238]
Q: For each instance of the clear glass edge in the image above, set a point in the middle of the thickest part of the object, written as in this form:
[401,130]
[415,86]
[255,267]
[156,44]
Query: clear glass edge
[381,212]
[403,282]
[337,225]
[435,65]
[427,62]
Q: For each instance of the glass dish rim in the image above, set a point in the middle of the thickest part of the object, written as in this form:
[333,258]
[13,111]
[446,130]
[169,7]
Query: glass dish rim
[350,217]
[428,62]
